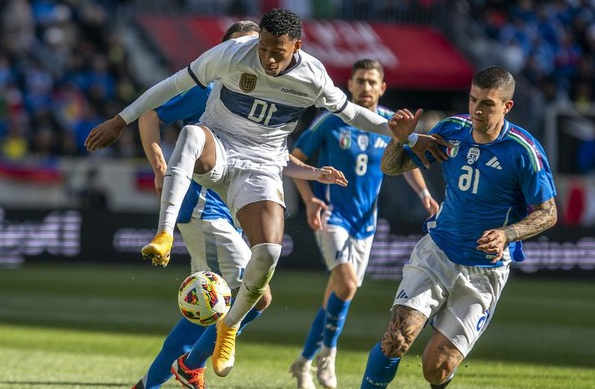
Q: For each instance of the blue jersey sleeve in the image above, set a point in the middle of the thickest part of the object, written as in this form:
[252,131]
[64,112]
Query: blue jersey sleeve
[536,181]
[188,106]
[312,139]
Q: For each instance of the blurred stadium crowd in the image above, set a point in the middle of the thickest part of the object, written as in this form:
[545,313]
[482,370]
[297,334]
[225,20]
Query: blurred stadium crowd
[64,67]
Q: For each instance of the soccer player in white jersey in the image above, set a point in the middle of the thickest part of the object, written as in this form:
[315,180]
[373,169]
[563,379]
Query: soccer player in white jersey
[239,148]
[206,225]
[207,228]
[499,190]
[344,220]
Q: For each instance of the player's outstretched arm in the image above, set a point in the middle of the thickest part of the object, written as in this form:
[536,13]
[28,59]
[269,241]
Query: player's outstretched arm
[315,207]
[402,126]
[395,160]
[327,174]
[150,136]
[543,217]
[105,134]
[416,181]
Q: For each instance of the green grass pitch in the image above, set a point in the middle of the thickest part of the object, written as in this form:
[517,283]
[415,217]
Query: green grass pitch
[92,326]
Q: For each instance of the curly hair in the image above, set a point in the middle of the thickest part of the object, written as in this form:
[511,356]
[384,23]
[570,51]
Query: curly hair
[280,22]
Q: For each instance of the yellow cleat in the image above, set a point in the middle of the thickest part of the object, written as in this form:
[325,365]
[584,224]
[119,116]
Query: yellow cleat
[158,251]
[225,345]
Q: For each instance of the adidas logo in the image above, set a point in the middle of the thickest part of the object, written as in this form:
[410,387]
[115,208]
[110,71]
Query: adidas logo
[380,143]
[402,295]
[494,163]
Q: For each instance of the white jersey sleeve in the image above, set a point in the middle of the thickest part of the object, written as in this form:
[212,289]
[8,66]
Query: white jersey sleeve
[215,62]
[364,119]
[158,94]
[334,100]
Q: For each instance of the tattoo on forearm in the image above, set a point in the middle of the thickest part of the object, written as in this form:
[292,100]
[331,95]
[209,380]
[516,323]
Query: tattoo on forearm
[405,326]
[543,217]
[394,160]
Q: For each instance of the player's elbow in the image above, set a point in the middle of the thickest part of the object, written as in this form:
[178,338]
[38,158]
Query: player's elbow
[391,169]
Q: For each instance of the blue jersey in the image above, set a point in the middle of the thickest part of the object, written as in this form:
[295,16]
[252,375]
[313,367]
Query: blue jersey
[488,186]
[358,154]
[189,107]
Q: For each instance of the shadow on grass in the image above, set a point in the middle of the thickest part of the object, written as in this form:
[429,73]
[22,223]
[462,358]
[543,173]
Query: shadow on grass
[64,384]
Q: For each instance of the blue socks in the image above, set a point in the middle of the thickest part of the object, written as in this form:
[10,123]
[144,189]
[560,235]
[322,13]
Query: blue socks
[336,314]
[314,339]
[380,370]
[203,348]
[179,341]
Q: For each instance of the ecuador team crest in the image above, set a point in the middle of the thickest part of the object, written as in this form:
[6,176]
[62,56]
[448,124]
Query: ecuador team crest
[248,82]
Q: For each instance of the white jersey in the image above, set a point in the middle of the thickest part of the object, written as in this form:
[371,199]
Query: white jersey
[255,112]
[251,111]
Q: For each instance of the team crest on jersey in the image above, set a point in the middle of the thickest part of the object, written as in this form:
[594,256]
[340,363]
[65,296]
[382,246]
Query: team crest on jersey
[453,150]
[248,82]
[362,142]
[345,139]
[472,155]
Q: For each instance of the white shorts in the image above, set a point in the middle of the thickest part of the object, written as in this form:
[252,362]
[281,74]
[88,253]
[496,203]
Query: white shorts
[240,182]
[337,247]
[459,300]
[217,246]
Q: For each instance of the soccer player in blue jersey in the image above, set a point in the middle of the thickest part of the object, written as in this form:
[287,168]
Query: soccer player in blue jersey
[344,220]
[239,148]
[499,190]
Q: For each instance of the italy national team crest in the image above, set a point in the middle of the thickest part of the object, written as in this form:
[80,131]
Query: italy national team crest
[345,139]
[453,150]
[472,155]
[362,142]
[248,82]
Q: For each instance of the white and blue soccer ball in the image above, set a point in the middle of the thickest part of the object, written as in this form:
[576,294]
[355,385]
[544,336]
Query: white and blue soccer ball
[204,298]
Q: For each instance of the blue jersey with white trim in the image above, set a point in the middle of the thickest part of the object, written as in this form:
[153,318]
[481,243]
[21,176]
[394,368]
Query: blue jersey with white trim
[358,155]
[487,186]
[189,107]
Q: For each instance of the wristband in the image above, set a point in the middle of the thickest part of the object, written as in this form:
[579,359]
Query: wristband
[412,139]
[424,193]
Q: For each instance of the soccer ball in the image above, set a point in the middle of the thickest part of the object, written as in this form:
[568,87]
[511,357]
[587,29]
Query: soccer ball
[204,298]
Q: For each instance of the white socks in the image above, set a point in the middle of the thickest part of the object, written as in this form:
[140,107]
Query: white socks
[180,169]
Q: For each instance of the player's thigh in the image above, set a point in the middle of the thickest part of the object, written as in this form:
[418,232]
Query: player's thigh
[256,196]
[338,249]
[213,172]
[217,246]
[421,287]
[471,304]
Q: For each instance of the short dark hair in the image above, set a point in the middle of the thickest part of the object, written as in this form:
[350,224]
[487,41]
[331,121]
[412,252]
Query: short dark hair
[367,64]
[282,21]
[495,77]
[241,26]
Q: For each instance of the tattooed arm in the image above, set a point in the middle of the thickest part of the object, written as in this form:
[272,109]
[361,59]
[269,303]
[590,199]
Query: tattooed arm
[395,160]
[543,217]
